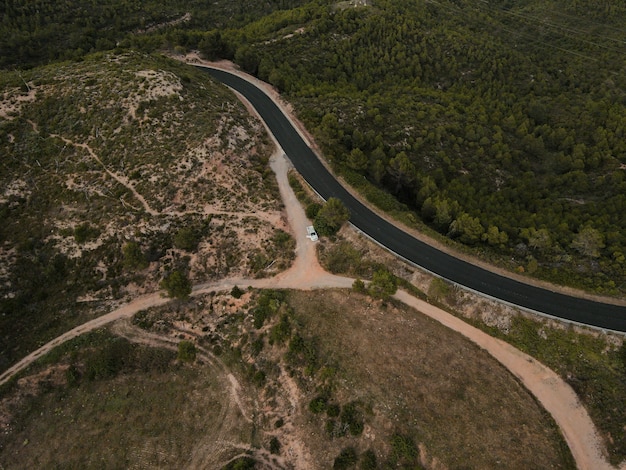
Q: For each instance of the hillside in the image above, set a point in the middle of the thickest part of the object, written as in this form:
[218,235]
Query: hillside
[118,172]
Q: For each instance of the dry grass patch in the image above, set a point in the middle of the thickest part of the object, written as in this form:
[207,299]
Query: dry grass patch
[154,412]
[422,380]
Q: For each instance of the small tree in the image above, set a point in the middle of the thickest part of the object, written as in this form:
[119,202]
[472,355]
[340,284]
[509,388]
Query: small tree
[331,217]
[467,228]
[383,285]
[187,239]
[177,285]
[312,210]
[357,160]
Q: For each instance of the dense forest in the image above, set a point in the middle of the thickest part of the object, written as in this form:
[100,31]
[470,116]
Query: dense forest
[42,31]
[500,128]
[498,124]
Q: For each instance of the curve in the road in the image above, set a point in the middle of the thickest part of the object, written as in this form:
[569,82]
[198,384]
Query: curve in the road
[537,299]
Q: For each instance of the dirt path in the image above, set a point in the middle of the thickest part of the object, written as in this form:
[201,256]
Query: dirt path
[120,179]
[555,395]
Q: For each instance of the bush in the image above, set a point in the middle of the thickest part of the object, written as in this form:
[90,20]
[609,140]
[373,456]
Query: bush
[134,259]
[85,232]
[318,404]
[333,410]
[439,289]
[274,446]
[108,361]
[312,210]
[256,346]
[383,285]
[403,449]
[358,286]
[281,331]
[72,376]
[351,416]
[186,239]
[236,292]
[283,241]
[186,351]
[346,459]
[343,258]
[368,460]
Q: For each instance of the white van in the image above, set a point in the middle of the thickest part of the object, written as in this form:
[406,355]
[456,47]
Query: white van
[311,233]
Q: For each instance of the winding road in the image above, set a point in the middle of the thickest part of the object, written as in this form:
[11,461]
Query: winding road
[536,299]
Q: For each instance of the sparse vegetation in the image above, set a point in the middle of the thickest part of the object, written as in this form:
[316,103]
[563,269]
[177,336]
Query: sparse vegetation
[104,213]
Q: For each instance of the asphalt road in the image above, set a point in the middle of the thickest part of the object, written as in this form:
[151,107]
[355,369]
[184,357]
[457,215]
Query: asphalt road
[574,309]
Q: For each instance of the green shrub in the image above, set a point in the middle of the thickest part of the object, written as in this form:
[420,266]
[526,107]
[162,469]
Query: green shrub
[358,286]
[333,410]
[256,346]
[186,239]
[236,292]
[343,258]
[134,258]
[383,285]
[439,289]
[312,210]
[403,450]
[281,331]
[351,416]
[72,375]
[368,460]
[107,361]
[186,351]
[318,404]
[84,232]
[347,458]
[331,217]
[274,445]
